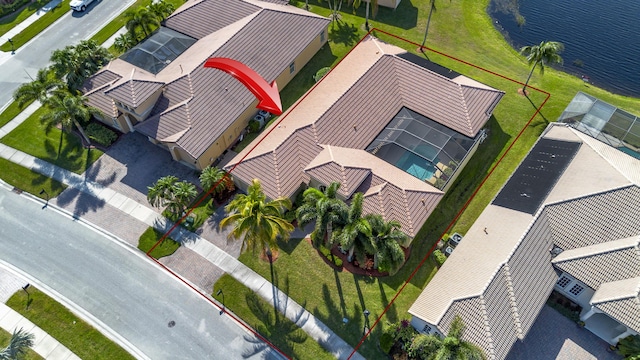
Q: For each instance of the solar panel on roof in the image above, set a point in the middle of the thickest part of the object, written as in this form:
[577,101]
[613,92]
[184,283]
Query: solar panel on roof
[537,174]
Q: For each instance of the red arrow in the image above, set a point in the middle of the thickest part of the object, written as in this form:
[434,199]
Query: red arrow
[267,94]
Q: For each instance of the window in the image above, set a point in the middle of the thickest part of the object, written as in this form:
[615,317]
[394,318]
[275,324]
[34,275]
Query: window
[576,290]
[292,67]
[116,124]
[322,36]
[563,282]
[426,329]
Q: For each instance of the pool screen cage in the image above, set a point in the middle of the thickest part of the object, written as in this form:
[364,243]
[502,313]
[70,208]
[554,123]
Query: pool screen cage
[604,122]
[422,147]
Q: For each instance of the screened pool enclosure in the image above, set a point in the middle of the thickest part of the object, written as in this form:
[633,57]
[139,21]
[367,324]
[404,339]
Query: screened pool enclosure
[422,147]
[604,122]
[159,50]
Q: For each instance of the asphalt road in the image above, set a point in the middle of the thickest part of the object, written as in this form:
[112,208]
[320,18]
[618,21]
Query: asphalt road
[68,30]
[122,289]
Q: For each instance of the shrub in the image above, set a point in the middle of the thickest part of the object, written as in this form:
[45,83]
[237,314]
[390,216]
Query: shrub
[404,333]
[101,134]
[327,253]
[440,257]
[386,342]
[254,126]
[9,8]
[321,73]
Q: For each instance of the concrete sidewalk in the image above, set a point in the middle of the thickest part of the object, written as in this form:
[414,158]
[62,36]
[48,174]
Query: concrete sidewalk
[43,344]
[199,247]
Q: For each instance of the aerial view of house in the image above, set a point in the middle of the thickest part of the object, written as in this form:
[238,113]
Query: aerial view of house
[566,220]
[383,122]
[160,88]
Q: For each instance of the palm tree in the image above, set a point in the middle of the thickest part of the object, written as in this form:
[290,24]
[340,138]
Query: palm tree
[160,193]
[124,42]
[629,347]
[141,18]
[18,345]
[67,109]
[323,208]
[182,193]
[258,222]
[451,347]
[161,9]
[372,3]
[387,240]
[38,89]
[77,63]
[432,8]
[213,179]
[355,235]
[547,53]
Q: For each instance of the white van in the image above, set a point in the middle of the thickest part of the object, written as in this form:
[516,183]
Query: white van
[80,5]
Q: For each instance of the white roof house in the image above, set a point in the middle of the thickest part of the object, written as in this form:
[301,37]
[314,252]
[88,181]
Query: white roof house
[566,219]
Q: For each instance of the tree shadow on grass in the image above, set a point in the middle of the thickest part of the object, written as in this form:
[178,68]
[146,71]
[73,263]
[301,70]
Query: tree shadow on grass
[540,120]
[344,33]
[391,313]
[281,331]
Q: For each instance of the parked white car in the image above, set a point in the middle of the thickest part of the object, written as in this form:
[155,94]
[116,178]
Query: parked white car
[80,5]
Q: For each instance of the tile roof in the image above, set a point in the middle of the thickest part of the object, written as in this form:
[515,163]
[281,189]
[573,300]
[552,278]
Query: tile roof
[619,299]
[592,264]
[208,16]
[100,101]
[326,132]
[99,80]
[134,92]
[276,38]
[591,213]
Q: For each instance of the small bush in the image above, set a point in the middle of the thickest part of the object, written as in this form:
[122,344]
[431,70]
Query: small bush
[387,339]
[9,8]
[321,73]
[254,126]
[327,253]
[101,134]
[440,257]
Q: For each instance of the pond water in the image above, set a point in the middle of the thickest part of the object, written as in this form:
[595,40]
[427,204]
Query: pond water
[601,38]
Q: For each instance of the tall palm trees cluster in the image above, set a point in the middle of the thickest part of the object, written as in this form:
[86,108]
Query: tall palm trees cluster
[56,86]
[364,237]
[176,195]
[141,22]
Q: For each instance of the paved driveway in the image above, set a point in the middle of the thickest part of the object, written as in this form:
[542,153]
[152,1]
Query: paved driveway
[553,336]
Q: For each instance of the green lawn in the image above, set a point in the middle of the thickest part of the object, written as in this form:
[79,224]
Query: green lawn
[259,314]
[64,326]
[11,112]
[5,336]
[150,237]
[464,30]
[53,145]
[10,21]
[29,181]
[34,29]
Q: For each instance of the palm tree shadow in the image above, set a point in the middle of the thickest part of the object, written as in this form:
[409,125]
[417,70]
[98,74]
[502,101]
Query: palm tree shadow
[343,306]
[392,313]
[544,122]
[344,33]
[282,332]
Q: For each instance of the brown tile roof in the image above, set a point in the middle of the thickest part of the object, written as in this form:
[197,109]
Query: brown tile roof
[591,213]
[99,80]
[134,92]
[206,17]
[100,101]
[345,112]
[275,39]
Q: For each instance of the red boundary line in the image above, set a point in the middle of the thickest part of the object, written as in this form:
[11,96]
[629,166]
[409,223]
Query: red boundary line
[273,127]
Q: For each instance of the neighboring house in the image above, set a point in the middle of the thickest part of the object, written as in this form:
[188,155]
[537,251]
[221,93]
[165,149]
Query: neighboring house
[383,122]
[160,88]
[567,219]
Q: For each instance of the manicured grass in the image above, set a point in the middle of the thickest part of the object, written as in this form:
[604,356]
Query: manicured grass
[11,112]
[29,181]
[117,23]
[34,29]
[66,327]
[259,314]
[150,237]
[52,145]
[5,336]
[10,21]
[464,30]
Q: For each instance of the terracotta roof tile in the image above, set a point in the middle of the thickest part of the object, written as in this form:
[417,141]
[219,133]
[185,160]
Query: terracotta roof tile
[134,92]
[208,16]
